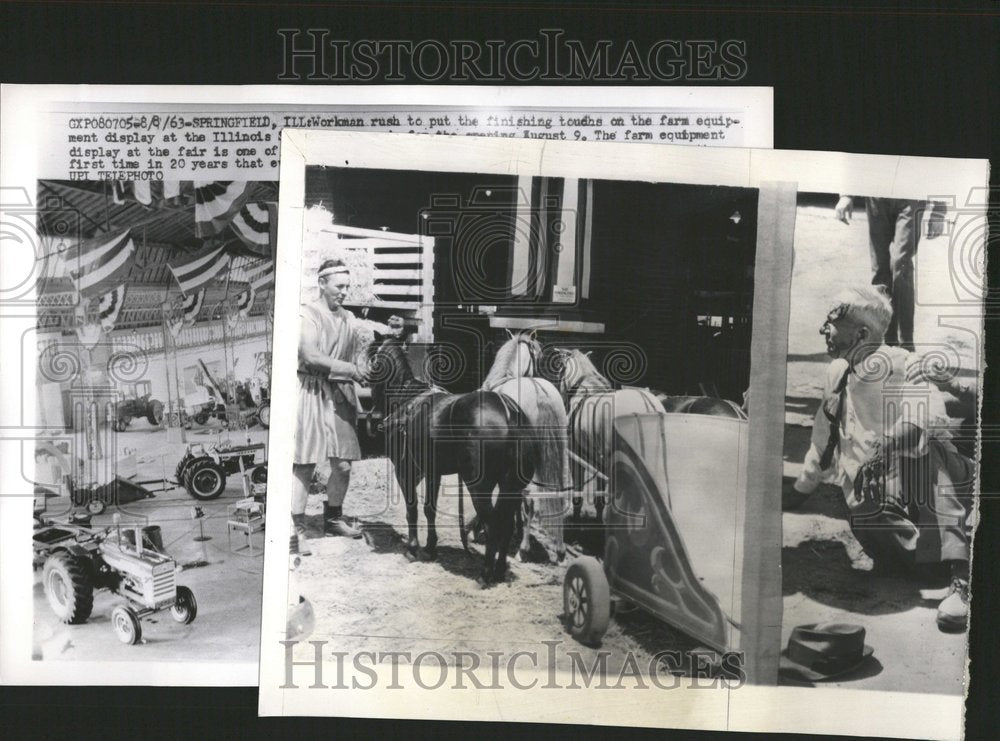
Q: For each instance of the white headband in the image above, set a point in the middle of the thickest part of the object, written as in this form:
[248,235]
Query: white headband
[332,270]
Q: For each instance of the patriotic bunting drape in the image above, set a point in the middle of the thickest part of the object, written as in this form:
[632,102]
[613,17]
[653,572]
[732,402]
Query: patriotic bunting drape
[198,269]
[217,204]
[256,225]
[244,301]
[98,265]
[110,306]
[191,306]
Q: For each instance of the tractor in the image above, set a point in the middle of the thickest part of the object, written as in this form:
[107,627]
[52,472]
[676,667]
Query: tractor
[137,403]
[129,560]
[203,468]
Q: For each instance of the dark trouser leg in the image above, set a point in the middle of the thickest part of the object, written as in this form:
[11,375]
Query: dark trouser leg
[922,517]
[893,232]
[881,228]
[902,254]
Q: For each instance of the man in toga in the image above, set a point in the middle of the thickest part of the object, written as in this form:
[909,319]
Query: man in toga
[331,358]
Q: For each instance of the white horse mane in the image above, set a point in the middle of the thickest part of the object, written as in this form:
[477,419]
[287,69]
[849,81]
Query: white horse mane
[505,363]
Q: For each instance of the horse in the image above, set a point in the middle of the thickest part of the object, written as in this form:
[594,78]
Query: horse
[483,437]
[514,375]
[710,405]
[592,405]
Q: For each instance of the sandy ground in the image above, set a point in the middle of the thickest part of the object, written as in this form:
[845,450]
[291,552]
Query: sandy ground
[826,576]
[226,585]
[368,596]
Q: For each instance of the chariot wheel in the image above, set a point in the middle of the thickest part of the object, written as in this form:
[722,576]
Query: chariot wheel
[68,587]
[205,479]
[126,624]
[96,506]
[264,414]
[185,607]
[586,600]
[155,415]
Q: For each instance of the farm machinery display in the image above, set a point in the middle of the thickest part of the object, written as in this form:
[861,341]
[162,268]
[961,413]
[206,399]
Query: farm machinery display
[204,468]
[138,402]
[128,560]
[234,404]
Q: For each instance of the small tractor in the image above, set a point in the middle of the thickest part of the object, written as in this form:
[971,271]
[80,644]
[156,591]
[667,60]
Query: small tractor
[203,468]
[234,404]
[137,403]
[77,559]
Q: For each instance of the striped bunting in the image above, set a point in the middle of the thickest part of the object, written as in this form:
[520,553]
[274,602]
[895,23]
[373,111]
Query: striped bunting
[191,306]
[217,204]
[98,265]
[110,306]
[256,225]
[244,301]
[199,268]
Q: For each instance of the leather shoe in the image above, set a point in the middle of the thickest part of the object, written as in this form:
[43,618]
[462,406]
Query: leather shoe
[953,612]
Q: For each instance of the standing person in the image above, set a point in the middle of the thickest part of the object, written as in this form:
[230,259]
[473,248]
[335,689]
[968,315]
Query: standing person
[884,442]
[893,233]
[331,358]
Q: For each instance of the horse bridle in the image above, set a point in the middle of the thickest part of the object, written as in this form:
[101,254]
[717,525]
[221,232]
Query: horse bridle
[524,340]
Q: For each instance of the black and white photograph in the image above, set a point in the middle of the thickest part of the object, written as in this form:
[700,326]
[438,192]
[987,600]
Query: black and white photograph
[537,432]
[154,327]
[141,313]
[881,440]
[465,338]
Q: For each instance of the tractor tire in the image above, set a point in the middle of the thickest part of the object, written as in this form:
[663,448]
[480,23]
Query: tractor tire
[205,479]
[155,414]
[185,607]
[201,418]
[182,465]
[259,474]
[68,587]
[96,506]
[264,414]
[586,600]
[126,624]
[121,424]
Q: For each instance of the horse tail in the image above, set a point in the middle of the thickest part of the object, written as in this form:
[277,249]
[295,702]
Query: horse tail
[461,516]
[551,429]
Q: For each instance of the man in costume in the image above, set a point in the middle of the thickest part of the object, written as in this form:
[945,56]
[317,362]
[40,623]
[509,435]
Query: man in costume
[331,359]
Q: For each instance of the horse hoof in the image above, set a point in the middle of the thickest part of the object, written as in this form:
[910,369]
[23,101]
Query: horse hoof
[523,554]
[411,555]
[427,554]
